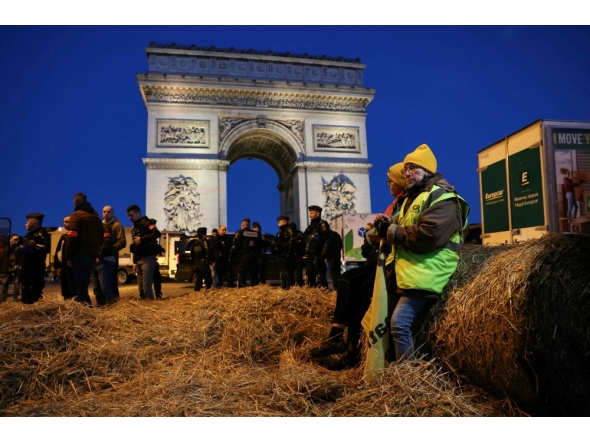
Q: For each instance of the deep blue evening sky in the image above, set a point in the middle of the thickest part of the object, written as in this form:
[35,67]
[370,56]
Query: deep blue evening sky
[73,118]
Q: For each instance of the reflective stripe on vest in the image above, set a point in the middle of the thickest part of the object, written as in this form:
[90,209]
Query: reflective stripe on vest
[430,271]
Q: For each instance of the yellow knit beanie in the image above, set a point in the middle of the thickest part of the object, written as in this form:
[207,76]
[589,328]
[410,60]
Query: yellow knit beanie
[423,157]
[395,174]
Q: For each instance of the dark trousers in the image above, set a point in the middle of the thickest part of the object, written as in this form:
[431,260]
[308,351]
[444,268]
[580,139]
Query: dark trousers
[316,271]
[67,283]
[262,264]
[11,278]
[83,267]
[224,272]
[116,278]
[103,282]
[248,266]
[354,291]
[297,269]
[285,272]
[32,279]
[202,271]
[334,265]
[157,282]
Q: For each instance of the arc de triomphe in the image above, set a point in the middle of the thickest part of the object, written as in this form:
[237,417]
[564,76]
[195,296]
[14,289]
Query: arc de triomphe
[208,107]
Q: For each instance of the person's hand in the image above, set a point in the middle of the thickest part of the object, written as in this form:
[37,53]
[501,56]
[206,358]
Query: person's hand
[383,217]
[374,237]
[136,240]
[69,263]
[134,268]
[58,271]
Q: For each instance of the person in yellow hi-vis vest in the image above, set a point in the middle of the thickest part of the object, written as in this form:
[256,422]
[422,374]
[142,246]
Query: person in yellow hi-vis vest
[354,292]
[426,236]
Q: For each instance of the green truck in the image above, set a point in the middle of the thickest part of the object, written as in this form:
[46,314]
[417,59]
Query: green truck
[534,181]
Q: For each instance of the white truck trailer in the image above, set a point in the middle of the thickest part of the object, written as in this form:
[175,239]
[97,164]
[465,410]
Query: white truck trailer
[523,180]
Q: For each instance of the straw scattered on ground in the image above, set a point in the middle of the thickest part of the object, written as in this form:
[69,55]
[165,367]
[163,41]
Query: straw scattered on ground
[223,352]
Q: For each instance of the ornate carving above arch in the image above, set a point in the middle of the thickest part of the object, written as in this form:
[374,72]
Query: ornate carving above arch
[265,145]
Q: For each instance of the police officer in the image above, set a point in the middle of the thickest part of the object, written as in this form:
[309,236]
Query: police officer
[296,253]
[31,256]
[262,259]
[221,247]
[13,269]
[145,249]
[316,244]
[334,250]
[246,247]
[201,257]
[280,246]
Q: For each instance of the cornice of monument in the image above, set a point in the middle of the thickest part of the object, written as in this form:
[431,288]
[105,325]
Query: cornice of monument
[255,94]
[190,81]
[333,167]
[185,164]
[251,54]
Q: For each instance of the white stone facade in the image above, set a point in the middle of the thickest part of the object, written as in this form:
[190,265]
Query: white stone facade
[312,134]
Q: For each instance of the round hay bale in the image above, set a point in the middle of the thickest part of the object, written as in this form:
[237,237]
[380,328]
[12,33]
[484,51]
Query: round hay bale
[518,323]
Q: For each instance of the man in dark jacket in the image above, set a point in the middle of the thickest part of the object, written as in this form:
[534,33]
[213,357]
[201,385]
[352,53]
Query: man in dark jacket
[83,241]
[31,257]
[296,253]
[221,247]
[201,257]
[103,271]
[280,246]
[246,248]
[119,241]
[315,249]
[334,257]
[145,238]
[262,259]
[63,270]
[13,269]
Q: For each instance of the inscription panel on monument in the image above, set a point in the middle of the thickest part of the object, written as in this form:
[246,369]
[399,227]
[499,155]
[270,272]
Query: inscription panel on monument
[336,138]
[183,134]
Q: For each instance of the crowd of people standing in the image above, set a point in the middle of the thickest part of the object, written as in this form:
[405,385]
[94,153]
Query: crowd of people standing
[420,233]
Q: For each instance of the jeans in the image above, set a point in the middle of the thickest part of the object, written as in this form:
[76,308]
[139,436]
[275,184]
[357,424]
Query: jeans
[82,266]
[103,282]
[571,205]
[402,318]
[145,276]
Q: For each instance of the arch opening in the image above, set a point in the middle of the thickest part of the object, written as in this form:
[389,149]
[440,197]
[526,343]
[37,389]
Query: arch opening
[266,146]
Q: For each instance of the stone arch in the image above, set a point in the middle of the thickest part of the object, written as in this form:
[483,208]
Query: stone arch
[271,145]
[266,140]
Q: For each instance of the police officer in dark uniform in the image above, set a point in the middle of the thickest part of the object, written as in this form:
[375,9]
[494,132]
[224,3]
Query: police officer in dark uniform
[334,249]
[13,269]
[246,246]
[201,257]
[316,244]
[31,256]
[262,259]
[221,247]
[280,246]
[296,253]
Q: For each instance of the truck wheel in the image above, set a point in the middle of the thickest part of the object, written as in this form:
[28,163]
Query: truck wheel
[123,276]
